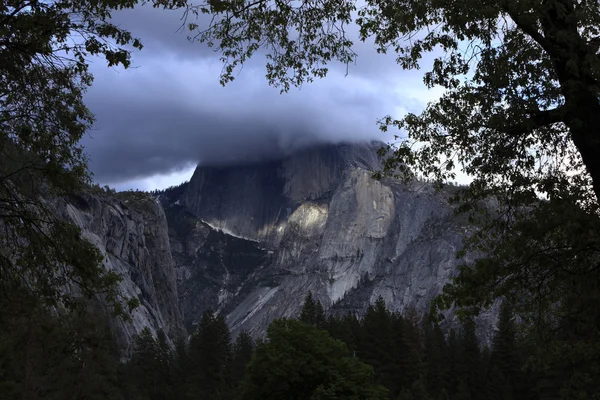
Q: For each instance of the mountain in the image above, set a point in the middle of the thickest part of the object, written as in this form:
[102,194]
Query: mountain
[130,229]
[255,201]
[251,240]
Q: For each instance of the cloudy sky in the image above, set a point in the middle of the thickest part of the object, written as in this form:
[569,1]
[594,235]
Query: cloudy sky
[160,118]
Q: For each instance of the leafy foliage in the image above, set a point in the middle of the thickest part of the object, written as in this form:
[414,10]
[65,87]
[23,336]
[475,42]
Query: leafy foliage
[301,38]
[45,48]
[43,356]
[301,362]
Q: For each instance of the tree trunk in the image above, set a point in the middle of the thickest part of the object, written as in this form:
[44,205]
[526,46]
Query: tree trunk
[575,62]
[585,132]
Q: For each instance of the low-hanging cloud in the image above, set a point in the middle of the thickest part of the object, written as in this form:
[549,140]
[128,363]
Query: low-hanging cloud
[170,111]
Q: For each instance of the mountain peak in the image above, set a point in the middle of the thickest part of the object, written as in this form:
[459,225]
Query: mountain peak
[254,199]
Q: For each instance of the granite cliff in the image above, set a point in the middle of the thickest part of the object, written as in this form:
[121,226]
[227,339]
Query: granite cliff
[130,229]
[251,240]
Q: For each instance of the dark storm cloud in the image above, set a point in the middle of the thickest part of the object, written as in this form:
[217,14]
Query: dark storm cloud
[169,111]
[161,31]
[161,138]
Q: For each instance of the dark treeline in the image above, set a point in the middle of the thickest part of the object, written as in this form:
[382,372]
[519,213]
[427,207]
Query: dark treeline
[172,192]
[210,366]
[384,355]
[57,355]
[414,359]
[411,357]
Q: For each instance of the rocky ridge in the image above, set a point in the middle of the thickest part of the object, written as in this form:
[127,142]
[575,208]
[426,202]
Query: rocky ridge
[249,241]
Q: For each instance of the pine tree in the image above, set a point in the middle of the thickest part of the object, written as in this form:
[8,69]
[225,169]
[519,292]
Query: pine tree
[210,352]
[378,347]
[504,356]
[443,395]
[58,355]
[243,350]
[435,378]
[95,357]
[347,329]
[164,362]
[182,367]
[144,367]
[320,319]
[473,367]
[454,362]
[413,338]
[400,353]
[307,314]
[312,312]
[333,325]
[498,387]
[418,390]
[405,394]
[463,392]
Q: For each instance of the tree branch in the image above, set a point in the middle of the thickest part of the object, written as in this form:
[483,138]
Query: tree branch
[529,28]
[536,120]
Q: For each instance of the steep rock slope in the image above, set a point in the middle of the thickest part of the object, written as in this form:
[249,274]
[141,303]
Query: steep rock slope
[255,201]
[212,266]
[130,229]
[261,236]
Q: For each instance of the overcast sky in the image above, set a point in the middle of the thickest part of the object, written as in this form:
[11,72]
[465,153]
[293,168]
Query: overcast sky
[159,119]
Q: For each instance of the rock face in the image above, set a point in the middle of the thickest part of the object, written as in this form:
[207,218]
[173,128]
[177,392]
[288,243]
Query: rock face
[251,240]
[255,201]
[130,229]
